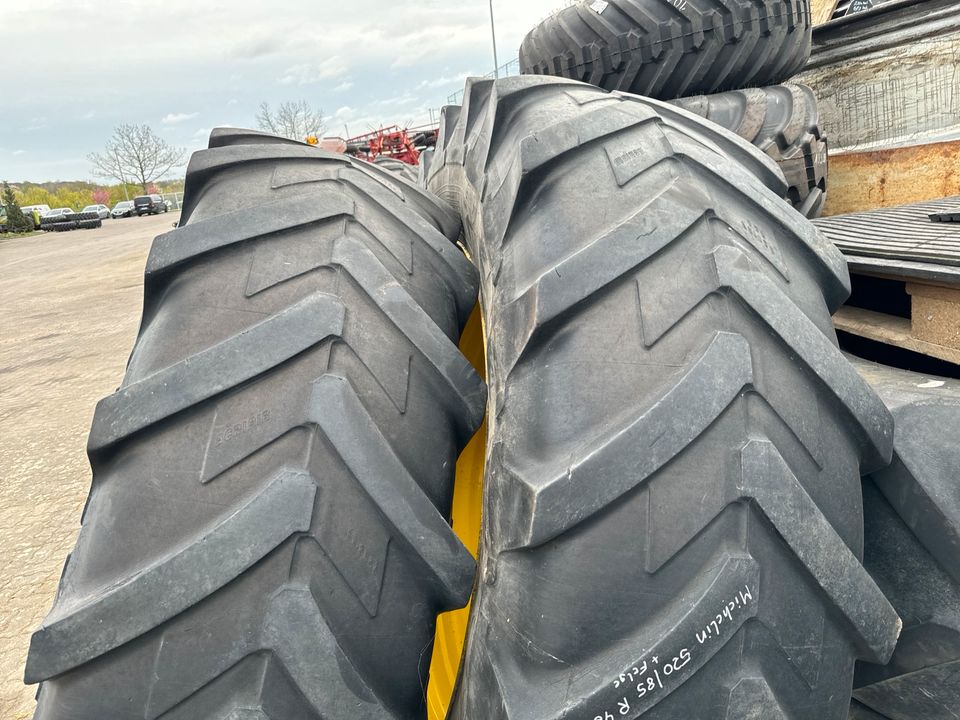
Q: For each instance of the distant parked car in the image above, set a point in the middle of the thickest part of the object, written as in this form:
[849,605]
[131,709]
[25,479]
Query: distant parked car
[42,209]
[58,212]
[102,211]
[149,205]
[123,209]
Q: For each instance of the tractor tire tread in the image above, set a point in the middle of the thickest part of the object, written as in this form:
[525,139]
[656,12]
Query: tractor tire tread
[266,533]
[783,121]
[668,49]
[592,477]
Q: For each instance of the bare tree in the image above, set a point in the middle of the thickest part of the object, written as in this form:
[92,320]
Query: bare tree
[294,120]
[136,154]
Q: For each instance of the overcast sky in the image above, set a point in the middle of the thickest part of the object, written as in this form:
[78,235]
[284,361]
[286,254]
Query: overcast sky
[75,69]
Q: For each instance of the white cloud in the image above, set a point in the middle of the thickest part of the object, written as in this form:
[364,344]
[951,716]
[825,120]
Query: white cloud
[445,81]
[257,46]
[311,73]
[19,152]
[398,101]
[359,59]
[177,118]
[437,40]
[89,115]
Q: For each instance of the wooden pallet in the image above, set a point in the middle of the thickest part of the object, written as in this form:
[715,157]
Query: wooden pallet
[903,234]
[914,255]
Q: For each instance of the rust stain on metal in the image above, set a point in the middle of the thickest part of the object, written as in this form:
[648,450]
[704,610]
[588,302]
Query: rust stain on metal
[899,176]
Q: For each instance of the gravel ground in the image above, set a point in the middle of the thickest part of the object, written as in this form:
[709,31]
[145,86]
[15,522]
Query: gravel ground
[69,310]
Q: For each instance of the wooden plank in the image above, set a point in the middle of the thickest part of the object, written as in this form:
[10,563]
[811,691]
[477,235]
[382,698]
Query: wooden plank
[903,233]
[899,176]
[889,269]
[936,314]
[889,330]
[822,10]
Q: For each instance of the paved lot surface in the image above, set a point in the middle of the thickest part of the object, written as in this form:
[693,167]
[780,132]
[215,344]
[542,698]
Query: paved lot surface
[69,311]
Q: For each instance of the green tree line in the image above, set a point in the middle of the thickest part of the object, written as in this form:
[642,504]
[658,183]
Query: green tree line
[77,195]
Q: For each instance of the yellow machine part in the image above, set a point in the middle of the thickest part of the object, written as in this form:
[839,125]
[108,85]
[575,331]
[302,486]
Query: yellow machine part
[467,504]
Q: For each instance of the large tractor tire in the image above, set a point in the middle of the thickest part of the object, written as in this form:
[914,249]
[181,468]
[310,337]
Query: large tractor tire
[406,171]
[718,138]
[57,224]
[912,548]
[266,534]
[672,504]
[862,712]
[671,48]
[783,121]
[426,160]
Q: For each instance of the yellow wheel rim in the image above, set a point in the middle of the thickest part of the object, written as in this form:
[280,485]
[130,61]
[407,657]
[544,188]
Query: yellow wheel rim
[467,504]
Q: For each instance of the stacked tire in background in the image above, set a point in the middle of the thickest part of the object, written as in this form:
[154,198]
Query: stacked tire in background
[783,122]
[404,170]
[672,48]
[71,221]
[669,49]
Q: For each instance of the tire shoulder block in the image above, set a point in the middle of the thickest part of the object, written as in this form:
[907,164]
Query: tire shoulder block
[555,498]
[76,633]
[210,372]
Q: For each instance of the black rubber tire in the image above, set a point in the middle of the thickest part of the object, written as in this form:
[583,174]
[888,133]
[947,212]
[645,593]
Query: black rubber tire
[425,202]
[783,121]
[55,224]
[407,172]
[861,712]
[759,164]
[265,536]
[676,441]
[912,548]
[672,48]
[426,160]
